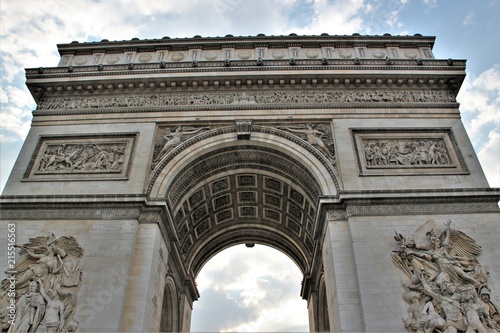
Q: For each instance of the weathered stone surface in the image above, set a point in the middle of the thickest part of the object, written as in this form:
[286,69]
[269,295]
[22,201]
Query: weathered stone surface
[155,155]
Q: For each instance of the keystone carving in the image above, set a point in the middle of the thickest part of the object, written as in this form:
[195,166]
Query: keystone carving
[243,129]
[447,288]
[44,286]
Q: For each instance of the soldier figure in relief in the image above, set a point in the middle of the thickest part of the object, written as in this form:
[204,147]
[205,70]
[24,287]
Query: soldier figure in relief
[54,311]
[29,311]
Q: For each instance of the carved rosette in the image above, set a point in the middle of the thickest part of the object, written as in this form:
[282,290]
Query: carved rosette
[447,288]
[43,286]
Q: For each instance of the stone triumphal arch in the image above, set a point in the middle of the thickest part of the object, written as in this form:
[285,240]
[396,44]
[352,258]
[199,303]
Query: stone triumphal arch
[148,157]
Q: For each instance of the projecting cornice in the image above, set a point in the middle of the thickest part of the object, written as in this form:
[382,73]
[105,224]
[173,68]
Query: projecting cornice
[92,81]
[245,42]
[247,73]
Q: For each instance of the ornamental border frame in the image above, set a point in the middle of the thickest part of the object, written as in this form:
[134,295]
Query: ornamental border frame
[130,138]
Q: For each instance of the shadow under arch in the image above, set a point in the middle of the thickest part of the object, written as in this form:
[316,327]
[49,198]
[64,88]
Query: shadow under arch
[221,191]
[169,318]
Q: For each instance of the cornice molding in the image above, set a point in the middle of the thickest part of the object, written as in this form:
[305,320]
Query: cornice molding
[249,65]
[214,75]
[248,41]
[404,202]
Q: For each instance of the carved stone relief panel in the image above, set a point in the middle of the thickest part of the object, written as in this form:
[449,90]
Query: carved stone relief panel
[43,286]
[168,138]
[407,151]
[447,288]
[252,97]
[82,157]
[317,135]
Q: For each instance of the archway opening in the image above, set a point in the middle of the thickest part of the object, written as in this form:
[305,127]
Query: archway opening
[250,289]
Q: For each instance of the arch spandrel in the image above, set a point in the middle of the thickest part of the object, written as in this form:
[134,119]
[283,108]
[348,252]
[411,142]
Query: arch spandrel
[200,146]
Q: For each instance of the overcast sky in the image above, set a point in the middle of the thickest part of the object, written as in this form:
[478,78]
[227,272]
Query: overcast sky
[259,299]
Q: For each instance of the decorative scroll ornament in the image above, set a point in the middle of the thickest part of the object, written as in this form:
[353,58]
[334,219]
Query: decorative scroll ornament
[448,288]
[319,136]
[47,279]
[169,139]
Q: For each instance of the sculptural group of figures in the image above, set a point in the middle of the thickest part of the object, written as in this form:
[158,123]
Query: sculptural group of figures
[448,290]
[47,279]
[66,158]
[228,98]
[406,152]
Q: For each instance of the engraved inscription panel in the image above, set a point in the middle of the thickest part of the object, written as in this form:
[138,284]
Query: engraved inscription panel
[82,157]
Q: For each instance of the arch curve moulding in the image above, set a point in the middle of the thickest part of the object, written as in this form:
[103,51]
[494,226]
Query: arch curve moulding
[200,147]
[221,191]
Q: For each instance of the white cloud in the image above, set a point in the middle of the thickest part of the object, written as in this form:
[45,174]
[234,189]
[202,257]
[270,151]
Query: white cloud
[393,20]
[489,156]
[340,16]
[479,100]
[16,113]
[260,284]
[14,123]
[430,3]
[19,97]
[469,19]
[383,16]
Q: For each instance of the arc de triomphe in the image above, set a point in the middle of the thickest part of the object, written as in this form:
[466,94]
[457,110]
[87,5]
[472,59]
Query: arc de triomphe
[146,158]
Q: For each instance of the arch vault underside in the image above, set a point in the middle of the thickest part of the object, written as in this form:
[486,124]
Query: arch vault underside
[227,191]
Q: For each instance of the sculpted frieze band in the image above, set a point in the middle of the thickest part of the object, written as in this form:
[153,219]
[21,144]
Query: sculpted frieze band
[173,99]
[447,288]
[43,286]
